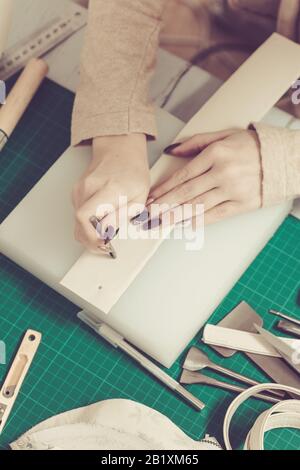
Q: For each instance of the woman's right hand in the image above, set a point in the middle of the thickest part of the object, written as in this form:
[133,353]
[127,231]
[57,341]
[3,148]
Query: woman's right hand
[119,168]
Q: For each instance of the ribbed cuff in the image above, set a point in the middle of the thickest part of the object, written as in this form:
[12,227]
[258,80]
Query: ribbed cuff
[273,145]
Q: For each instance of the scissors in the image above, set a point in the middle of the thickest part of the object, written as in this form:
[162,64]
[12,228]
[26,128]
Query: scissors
[288,353]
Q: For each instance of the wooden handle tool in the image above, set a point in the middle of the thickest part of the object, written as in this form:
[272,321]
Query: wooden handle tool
[17,374]
[20,96]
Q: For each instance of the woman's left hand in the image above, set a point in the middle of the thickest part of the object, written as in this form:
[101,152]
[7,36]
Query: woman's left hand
[225,175]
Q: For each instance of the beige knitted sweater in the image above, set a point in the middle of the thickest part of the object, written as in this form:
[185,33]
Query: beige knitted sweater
[118,61]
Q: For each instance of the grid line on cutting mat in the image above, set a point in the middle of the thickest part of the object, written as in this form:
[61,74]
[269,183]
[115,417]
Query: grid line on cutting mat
[73,366]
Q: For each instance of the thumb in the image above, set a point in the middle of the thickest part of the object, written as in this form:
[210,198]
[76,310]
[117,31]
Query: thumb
[193,146]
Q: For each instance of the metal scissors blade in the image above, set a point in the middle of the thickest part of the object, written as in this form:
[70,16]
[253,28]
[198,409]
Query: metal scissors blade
[287,352]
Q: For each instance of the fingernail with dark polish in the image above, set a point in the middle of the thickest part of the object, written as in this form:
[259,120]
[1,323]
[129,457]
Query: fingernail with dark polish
[110,234]
[140,218]
[151,224]
[171,147]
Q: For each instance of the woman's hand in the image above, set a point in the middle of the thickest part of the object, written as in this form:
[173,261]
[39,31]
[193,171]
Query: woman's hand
[225,176]
[119,168]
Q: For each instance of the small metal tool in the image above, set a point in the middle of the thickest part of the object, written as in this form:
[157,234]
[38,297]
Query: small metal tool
[288,353]
[197,360]
[107,248]
[110,250]
[189,378]
[288,327]
[285,317]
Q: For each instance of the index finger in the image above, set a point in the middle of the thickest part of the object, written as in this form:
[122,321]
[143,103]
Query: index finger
[189,171]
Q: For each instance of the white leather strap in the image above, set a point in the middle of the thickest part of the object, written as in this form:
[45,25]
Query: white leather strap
[243,340]
[285,414]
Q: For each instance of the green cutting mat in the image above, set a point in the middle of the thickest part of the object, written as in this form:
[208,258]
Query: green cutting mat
[73,367]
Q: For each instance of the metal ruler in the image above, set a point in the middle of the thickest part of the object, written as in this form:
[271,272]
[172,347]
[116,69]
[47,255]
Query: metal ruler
[42,41]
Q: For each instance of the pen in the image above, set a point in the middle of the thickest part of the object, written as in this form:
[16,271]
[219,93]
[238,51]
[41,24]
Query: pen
[116,340]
